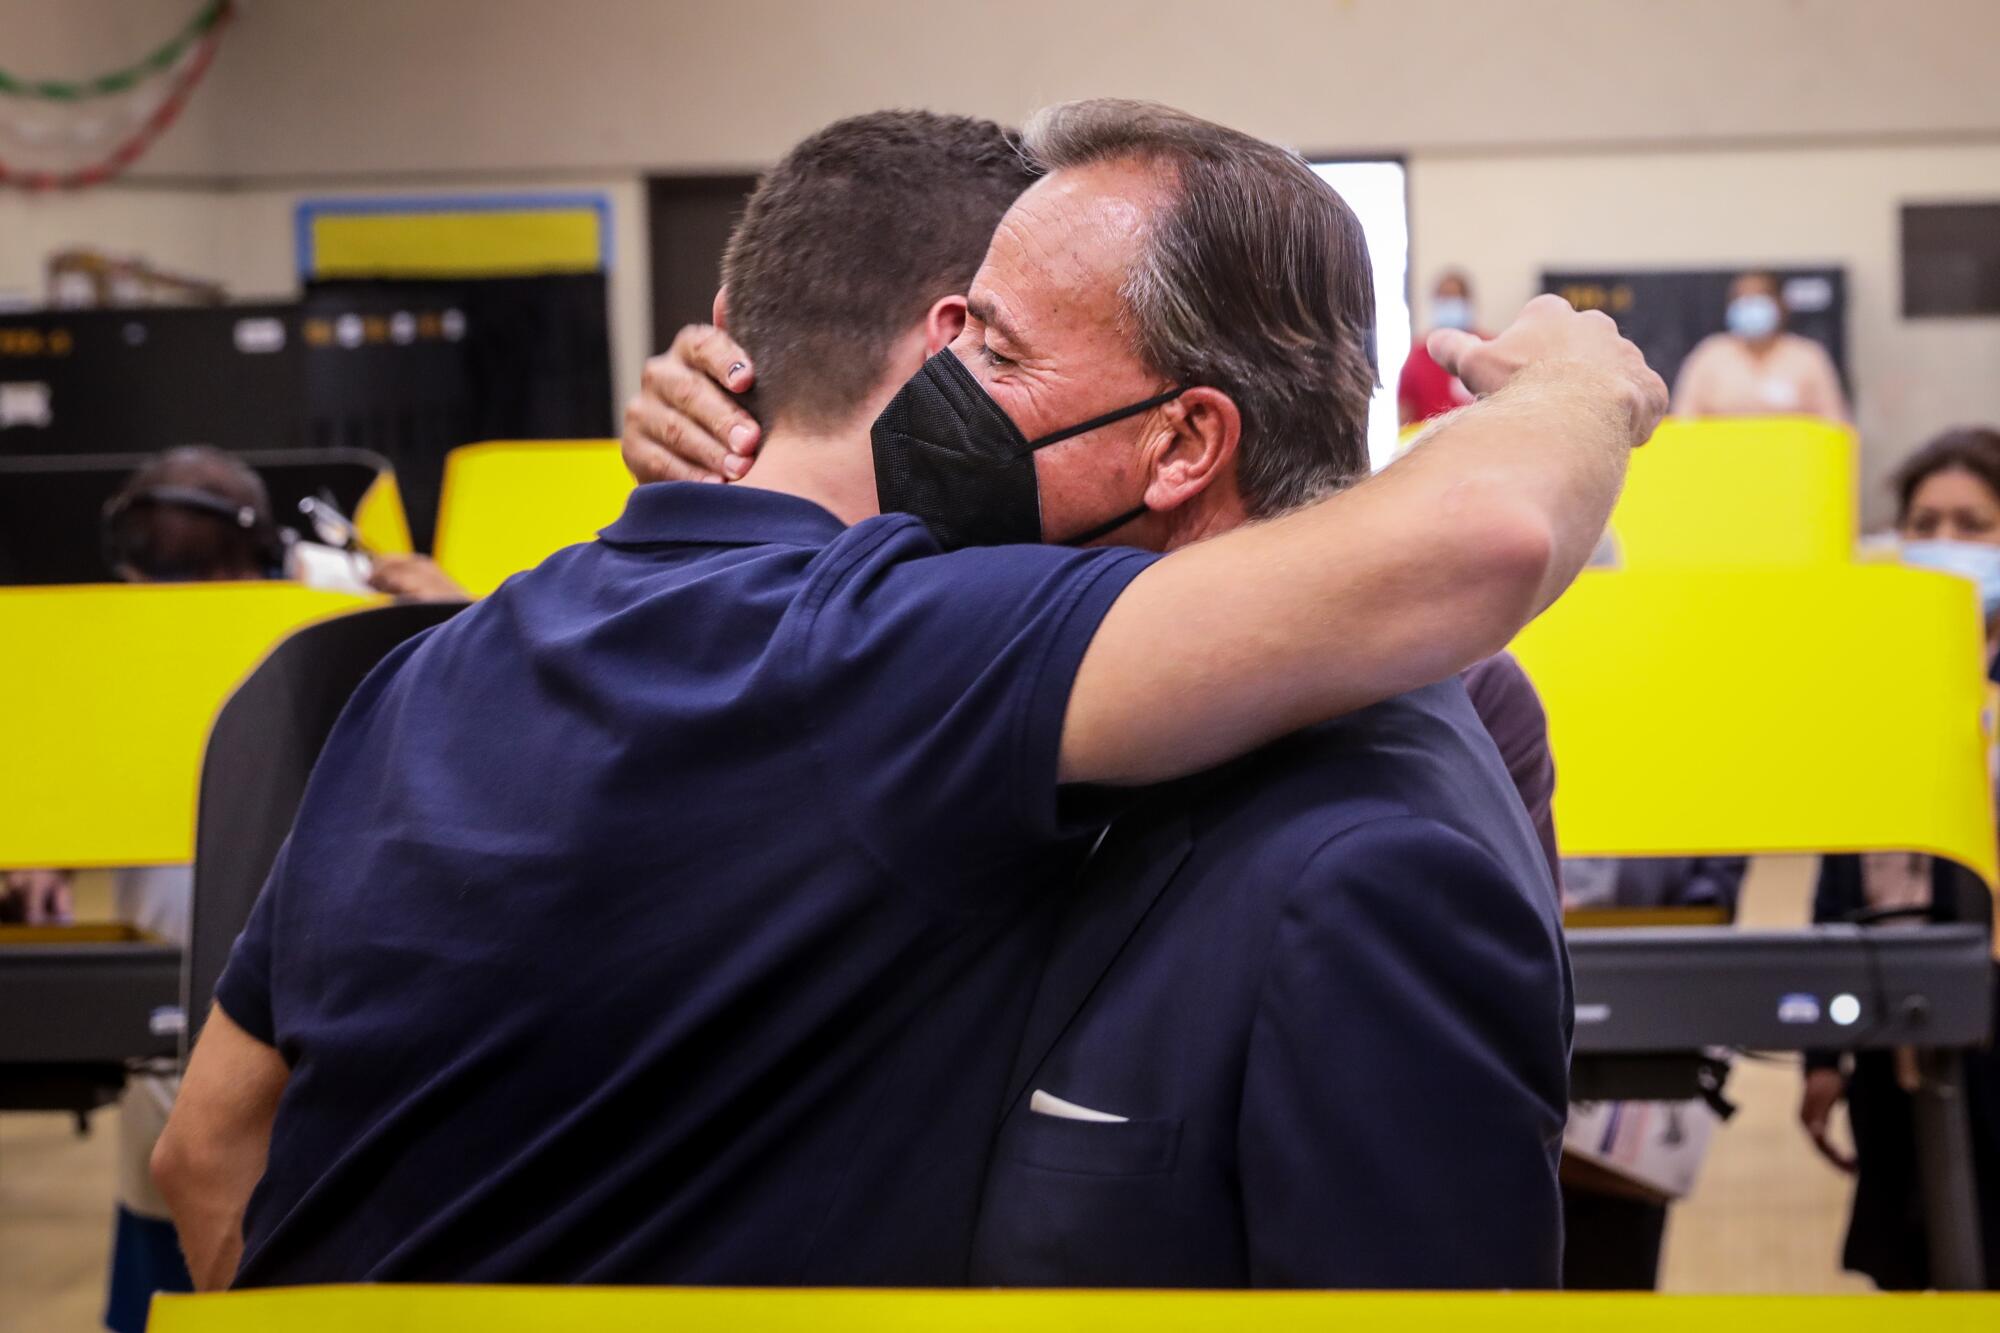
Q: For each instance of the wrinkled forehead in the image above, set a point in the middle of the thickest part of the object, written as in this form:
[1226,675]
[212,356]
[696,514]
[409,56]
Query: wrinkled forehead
[1061,255]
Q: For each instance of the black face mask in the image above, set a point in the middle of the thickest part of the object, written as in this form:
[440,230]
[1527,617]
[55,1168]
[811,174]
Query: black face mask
[945,452]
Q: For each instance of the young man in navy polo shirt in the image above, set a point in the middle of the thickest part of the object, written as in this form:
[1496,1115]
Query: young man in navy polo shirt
[670,915]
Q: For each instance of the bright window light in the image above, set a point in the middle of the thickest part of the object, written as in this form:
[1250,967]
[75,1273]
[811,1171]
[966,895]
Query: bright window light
[1375,191]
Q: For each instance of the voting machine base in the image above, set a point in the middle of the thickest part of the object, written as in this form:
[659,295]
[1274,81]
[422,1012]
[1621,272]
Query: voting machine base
[77,1005]
[1651,1000]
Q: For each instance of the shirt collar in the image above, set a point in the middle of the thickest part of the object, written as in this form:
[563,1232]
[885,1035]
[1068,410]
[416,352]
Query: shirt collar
[707,513]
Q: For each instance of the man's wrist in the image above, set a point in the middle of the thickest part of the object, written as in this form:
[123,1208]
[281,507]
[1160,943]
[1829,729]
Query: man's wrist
[1584,391]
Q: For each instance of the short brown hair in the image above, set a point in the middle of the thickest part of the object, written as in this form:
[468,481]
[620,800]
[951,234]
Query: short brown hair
[1253,279]
[1973,449]
[850,239]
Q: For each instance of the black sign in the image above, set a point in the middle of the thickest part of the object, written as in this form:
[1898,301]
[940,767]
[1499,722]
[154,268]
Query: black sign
[137,381]
[1667,311]
[407,370]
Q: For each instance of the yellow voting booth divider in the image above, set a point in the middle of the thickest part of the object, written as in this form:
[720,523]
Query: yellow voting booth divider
[1743,493]
[1737,492]
[110,693]
[645,1310]
[380,521]
[507,506]
[1816,709]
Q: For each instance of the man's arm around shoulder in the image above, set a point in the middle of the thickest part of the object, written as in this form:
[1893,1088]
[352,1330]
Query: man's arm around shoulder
[1404,579]
[1408,1072]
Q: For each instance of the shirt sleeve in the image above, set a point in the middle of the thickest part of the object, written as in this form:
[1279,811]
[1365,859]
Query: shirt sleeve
[243,991]
[933,692]
[1512,713]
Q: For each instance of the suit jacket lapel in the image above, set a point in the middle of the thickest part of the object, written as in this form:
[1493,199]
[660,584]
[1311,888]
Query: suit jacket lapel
[1119,886]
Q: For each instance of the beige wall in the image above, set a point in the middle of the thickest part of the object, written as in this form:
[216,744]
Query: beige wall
[177,229]
[1538,131]
[363,87]
[1504,219]
[454,85]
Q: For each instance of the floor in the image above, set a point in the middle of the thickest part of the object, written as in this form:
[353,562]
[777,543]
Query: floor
[1767,1214]
[56,1194]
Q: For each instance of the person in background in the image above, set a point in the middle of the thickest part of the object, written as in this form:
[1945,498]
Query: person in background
[191,515]
[1655,881]
[1948,516]
[1426,389]
[1756,368]
[35,897]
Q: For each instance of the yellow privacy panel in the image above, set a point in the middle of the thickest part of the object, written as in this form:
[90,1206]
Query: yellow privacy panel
[380,520]
[108,694]
[424,236]
[1739,493]
[690,1310]
[1805,710]
[508,506]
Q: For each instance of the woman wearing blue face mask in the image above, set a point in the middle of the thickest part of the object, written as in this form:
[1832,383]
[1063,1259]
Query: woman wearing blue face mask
[1948,518]
[1425,389]
[1756,368]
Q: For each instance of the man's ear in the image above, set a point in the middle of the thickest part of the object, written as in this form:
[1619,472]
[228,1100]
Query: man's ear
[941,324]
[720,310]
[1196,449]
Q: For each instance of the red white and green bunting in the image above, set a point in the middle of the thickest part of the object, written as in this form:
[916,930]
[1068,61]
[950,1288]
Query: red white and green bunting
[50,119]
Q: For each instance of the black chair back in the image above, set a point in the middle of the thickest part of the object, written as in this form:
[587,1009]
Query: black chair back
[260,753]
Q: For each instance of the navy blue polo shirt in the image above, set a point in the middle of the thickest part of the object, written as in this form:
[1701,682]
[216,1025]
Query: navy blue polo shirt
[672,914]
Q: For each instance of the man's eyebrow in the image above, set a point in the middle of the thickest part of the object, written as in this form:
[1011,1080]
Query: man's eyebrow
[984,311]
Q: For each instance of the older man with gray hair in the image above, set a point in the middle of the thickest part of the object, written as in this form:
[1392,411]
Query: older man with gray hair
[1307,1023]
[674,913]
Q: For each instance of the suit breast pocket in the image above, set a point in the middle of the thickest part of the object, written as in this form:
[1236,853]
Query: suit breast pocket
[1093,1148]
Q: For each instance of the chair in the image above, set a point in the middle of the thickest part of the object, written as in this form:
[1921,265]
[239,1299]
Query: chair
[260,753]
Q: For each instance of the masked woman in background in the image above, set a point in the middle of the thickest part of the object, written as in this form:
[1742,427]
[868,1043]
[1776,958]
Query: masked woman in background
[1756,368]
[1948,517]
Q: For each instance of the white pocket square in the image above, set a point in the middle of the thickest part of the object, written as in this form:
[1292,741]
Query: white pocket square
[1044,1104]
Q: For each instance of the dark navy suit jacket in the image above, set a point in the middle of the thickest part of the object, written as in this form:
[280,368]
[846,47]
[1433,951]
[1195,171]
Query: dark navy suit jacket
[1327,988]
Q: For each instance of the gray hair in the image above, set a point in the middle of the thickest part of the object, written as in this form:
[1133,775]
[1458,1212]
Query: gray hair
[1253,279]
